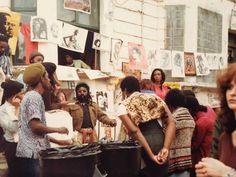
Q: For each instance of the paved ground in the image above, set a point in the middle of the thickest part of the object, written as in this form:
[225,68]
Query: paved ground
[3,166]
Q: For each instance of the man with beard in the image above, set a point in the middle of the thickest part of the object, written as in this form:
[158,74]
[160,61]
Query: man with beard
[85,114]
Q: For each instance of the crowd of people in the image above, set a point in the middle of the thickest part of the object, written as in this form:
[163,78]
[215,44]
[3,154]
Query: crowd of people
[179,136]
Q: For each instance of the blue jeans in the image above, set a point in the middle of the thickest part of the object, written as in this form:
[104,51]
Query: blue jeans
[28,167]
[181,174]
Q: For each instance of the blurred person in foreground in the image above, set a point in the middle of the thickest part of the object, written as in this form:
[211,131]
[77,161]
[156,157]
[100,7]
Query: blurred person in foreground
[226,85]
[140,112]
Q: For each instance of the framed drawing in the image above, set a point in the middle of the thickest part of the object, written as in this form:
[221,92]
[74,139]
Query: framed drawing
[189,64]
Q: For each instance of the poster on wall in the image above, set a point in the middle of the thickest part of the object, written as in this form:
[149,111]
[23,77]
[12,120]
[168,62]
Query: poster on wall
[39,29]
[130,72]
[233,20]
[73,38]
[137,57]
[189,64]
[54,31]
[177,64]
[9,27]
[78,5]
[212,59]
[105,100]
[101,42]
[116,45]
[222,62]
[202,68]
[152,58]
[164,60]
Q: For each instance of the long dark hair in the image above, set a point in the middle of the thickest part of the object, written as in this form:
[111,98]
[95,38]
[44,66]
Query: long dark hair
[224,80]
[193,105]
[163,76]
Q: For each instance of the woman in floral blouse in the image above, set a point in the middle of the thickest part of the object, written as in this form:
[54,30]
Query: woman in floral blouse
[142,115]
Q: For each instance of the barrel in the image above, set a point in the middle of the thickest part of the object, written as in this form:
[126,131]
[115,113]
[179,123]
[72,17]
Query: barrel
[71,161]
[121,159]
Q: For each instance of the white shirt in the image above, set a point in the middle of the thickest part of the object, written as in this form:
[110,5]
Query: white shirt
[9,122]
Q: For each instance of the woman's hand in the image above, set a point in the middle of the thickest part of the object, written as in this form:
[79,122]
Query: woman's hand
[210,167]
[162,156]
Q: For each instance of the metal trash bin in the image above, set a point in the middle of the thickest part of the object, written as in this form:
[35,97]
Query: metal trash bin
[121,159]
[71,161]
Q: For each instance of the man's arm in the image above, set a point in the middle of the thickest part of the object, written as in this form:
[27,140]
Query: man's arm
[39,128]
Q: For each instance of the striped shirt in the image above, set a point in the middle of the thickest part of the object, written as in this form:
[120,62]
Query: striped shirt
[180,151]
[6,65]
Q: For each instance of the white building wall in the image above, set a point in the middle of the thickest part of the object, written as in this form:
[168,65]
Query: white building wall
[139,21]
[5,4]
[143,22]
[48,9]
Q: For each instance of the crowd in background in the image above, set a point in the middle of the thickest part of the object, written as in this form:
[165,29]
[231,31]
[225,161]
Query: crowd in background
[178,135]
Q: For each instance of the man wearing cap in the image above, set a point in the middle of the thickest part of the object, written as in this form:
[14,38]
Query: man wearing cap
[36,57]
[32,123]
[85,114]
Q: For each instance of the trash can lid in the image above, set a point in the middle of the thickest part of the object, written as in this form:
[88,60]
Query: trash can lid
[74,151]
[121,145]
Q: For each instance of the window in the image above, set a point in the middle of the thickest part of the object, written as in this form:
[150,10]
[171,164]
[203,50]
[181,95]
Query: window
[88,21]
[209,31]
[175,28]
[27,8]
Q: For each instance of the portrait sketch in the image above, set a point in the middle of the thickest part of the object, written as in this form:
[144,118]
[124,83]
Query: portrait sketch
[212,60]
[137,57]
[9,28]
[177,64]
[73,38]
[78,5]
[201,65]
[189,64]
[116,45]
[54,31]
[101,42]
[222,62]
[39,29]
[151,58]
[164,60]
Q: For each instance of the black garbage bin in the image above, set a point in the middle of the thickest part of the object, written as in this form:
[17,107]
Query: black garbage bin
[121,159]
[71,161]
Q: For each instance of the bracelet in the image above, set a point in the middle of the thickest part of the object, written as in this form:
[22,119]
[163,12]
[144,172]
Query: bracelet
[230,173]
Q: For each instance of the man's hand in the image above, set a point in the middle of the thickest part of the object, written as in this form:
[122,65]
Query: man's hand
[63,130]
[113,123]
